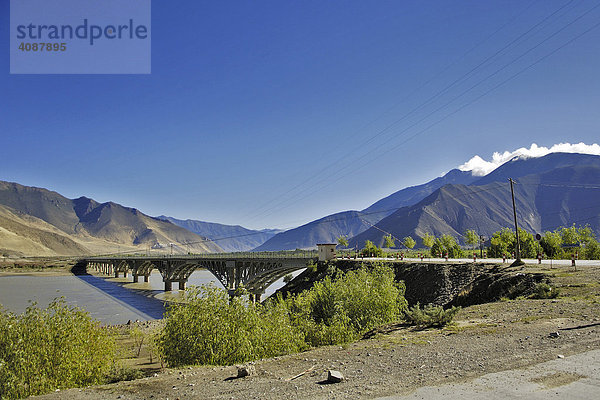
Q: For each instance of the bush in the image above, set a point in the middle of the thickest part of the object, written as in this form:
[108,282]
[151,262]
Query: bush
[430,316]
[340,310]
[212,329]
[544,291]
[56,347]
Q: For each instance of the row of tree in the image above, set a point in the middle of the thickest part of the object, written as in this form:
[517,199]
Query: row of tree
[558,244]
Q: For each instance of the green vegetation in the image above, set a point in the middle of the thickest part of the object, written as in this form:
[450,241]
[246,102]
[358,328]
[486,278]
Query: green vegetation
[545,291]
[371,250]
[409,242]
[428,240]
[471,237]
[504,241]
[388,241]
[343,309]
[430,316]
[559,244]
[343,241]
[446,245]
[211,328]
[56,347]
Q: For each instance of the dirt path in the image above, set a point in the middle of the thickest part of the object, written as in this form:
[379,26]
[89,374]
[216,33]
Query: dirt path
[487,338]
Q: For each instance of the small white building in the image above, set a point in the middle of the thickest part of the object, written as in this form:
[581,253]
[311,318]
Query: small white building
[326,251]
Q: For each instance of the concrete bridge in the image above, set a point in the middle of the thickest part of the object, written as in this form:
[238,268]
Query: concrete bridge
[254,271]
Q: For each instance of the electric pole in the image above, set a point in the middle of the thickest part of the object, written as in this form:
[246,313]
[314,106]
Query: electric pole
[518,260]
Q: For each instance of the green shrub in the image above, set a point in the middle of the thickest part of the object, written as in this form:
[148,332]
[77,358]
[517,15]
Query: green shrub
[57,347]
[544,291]
[430,316]
[211,328]
[340,310]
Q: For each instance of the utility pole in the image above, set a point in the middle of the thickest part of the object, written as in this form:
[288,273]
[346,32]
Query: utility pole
[518,260]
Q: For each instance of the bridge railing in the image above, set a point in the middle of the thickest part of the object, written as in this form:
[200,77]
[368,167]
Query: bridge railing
[292,254]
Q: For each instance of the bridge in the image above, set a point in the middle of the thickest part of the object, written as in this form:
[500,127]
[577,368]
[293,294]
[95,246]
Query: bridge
[254,271]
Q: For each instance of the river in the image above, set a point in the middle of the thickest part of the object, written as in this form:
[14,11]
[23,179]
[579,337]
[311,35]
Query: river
[109,300]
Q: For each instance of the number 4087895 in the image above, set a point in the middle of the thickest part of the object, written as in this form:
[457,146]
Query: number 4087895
[42,46]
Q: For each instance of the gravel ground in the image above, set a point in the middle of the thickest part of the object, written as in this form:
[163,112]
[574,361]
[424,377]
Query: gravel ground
[398,360]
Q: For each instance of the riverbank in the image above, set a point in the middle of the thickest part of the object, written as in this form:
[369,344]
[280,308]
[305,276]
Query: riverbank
[49,266]
[486,338]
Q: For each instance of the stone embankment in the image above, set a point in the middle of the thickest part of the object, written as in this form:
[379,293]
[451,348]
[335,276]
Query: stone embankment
[445,284]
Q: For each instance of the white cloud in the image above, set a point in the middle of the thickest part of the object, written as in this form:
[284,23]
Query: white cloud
[480,167]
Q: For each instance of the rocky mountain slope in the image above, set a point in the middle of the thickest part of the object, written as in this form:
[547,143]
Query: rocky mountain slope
[36,221]
[351,223]
[545,201]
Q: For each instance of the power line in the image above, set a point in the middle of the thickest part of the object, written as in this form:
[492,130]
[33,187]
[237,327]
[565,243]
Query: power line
[430,99]
[330,179]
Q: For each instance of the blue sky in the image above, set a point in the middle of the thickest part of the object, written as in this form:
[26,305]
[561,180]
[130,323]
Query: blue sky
[274,113]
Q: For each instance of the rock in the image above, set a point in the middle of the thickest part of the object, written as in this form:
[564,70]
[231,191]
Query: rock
[334,376]
[561,356]
[554,334]
[245,370]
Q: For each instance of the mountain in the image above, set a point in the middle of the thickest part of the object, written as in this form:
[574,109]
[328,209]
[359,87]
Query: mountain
[522,166]
[545,200]
[351,223]
[228,237]
[36,221]
[414,194]
[324,230]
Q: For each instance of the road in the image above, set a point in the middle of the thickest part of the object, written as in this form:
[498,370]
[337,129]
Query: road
[574,377]
[494,261]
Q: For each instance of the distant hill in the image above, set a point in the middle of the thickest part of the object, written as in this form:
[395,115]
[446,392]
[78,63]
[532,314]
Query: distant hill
[228,237]
[324,230]
[36,221]
[545,200]
[351,223]
[413,194]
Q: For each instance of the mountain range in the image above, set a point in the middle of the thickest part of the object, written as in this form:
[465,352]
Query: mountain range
[459,201]
[558,189]
[352,223]
[228,237]
[36,221]
[551,191]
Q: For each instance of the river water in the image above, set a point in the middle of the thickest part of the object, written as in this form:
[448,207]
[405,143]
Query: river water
[109,300]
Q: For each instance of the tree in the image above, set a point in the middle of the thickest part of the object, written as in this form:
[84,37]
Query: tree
[592,250]
[529,246]
[428,240]
[471,237]
[371,249]
[409,242]
[342,241]
[446,244]
[551,243]
[388,241]
[502,242]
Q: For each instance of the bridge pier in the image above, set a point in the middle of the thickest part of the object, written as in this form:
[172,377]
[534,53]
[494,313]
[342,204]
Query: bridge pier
[256,295]
[168,286]
[182,284]
[135,278]
[146,277]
